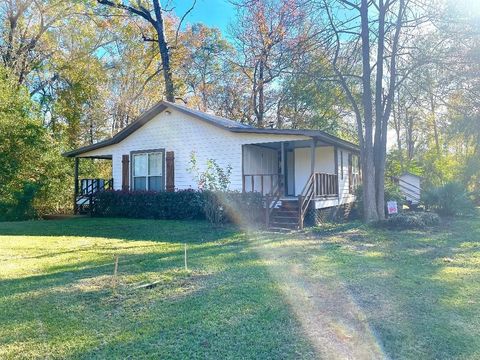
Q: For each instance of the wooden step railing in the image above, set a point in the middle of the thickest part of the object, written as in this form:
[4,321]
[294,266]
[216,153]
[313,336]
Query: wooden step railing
[87,189]
[304,199]
[317,185]
[271,201]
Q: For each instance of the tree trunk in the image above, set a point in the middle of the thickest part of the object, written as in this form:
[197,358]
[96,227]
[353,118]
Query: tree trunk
[164,53]
[381,149]
[379,116]
[398,130]
[368,179]
[158,24]
[434,123]
[369,197]
[410,142]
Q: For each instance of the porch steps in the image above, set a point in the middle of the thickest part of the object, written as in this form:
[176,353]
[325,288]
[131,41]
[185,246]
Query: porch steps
[285,217]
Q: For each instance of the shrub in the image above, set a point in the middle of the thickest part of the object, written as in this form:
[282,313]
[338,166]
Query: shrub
[20,207]
[216,207]
[411,220]
[430,219]
[179,205]
[475,197]
[449,199]
[234,207]
[213,178]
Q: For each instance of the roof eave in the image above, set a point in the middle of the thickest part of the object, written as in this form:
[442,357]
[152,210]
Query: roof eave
[324,137]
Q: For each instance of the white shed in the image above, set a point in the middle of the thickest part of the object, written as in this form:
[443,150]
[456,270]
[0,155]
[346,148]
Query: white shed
[410,186]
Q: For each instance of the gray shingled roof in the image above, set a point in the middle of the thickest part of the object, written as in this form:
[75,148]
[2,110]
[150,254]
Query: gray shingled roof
[214,119]
[218,121]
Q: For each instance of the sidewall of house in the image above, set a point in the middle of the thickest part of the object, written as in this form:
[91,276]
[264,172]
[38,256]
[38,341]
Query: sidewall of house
[174,131]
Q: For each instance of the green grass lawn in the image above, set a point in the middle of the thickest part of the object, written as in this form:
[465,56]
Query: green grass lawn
[330,293]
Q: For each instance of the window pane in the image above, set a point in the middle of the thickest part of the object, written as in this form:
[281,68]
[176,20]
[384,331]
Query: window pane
[155,183]
[155,166]
[139,183]
[140,165]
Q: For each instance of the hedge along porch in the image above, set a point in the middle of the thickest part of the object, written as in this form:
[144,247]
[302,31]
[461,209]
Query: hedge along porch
[154,152]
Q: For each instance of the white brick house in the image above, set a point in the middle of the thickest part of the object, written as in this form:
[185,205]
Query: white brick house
[154,153]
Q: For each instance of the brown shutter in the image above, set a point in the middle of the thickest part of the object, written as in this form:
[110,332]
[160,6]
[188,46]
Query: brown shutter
[170,171]
[125,172]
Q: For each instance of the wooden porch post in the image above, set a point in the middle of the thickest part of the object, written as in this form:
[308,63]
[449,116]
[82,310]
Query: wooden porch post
[75,192]
[282,168]
[312,147]
[335,156]
[243,169]
[312,165]
[267,210]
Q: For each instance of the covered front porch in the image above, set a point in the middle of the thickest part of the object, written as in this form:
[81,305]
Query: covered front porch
[294,176]
[285,168]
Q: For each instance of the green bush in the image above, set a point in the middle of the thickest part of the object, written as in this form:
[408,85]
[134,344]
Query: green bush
[234,207]
[20,206]
[411,220]
[449,200]
[216,207]
[475,196]
[430,219]
[179,205]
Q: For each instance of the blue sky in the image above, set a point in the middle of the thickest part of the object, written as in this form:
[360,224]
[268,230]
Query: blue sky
[214,13]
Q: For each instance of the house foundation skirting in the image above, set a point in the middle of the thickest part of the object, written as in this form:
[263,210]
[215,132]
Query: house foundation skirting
[338,213]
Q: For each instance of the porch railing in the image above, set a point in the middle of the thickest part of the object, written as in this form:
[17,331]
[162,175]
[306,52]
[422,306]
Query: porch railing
[325,184]
[86,190]
[92,186]
[265,184]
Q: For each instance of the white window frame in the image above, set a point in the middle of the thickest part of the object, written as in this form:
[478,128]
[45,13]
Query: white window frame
[133,154]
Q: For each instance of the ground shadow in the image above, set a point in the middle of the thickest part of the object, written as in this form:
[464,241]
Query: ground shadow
[121,228]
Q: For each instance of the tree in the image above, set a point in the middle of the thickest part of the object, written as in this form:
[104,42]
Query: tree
[132,69]
[154,14]
[27,42]
[370,44]
[308,101]
[204,53]
[22,143]
[268,35]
